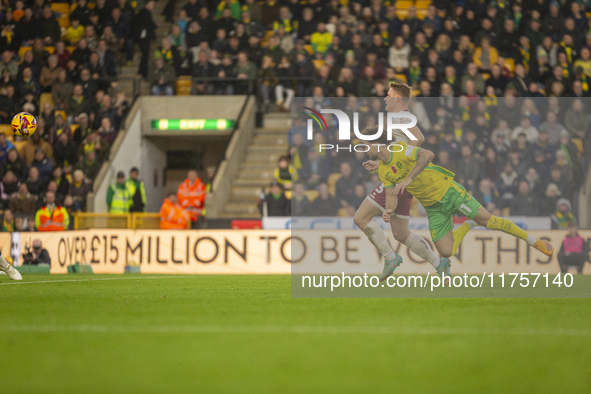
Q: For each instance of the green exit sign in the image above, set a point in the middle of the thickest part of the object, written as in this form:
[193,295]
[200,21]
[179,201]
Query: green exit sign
[193,124]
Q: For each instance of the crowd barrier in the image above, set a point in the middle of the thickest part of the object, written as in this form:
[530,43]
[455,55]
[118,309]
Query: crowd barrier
[136,220]
[269,252]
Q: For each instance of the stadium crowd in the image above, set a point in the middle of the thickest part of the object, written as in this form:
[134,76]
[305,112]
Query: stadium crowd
[59,62]
[480,72]
[490,77]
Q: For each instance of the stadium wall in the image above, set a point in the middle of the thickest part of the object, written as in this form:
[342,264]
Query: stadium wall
[124,155]
[271,252]
[233,158]
[140,146]
[585,202]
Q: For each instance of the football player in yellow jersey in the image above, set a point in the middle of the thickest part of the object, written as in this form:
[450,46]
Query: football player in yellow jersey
[406,167]
[397,100]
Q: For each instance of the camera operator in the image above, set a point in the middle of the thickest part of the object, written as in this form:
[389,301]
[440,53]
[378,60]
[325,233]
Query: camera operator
[38,255]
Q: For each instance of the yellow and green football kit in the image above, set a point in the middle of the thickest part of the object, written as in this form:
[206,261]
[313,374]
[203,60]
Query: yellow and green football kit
[434,187]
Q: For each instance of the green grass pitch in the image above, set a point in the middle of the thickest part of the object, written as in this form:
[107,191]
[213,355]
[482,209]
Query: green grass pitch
[159,334]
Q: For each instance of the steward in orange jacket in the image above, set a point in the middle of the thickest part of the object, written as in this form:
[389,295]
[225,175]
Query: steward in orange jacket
[52,217]
[172,215]
[191,195]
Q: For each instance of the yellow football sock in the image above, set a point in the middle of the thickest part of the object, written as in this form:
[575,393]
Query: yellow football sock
[506,226]
[459,235]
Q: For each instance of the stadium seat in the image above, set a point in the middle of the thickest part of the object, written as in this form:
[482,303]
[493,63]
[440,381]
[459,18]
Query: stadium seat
[318,63]
[312,194]
[415,92]
[287,194]
[401,13]
[510,65]
[50,49]
[19,145]
[61,113]
[421,13]
[63,21]
[401,77]
[309,49]
[332,182]
[6,129]
[74,127]
[45,98]
[485,76]
[403,4]
[579,144]
[342,212]
[63,8]
[22,50]
[70,49]
[268,34]
[183,86]
[422,4]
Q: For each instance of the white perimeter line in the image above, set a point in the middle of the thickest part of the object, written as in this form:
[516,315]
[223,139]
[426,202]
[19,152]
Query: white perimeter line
[94,280]
[300,330]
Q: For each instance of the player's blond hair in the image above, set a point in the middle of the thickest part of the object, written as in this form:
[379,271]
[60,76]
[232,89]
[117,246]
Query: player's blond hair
[402,88]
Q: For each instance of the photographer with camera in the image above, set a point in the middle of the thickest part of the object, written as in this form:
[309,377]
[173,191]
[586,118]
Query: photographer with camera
[38,255]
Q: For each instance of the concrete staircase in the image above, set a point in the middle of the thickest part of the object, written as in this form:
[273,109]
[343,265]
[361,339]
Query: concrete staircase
[127,74]
[268,143]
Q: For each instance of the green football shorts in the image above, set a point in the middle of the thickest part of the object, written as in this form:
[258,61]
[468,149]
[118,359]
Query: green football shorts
[456,199]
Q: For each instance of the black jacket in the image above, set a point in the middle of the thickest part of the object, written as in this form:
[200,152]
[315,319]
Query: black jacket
[143,21]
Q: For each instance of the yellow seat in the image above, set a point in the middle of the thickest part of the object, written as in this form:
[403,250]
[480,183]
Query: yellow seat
[183,86]
[510,65]
[332,182]
[422,4]
[61,113]
[342,212]
[421,13]
[44,99]
[485,76]
[287,194]
[401,77]
[309,49]
[403,4]
[64,8]
[401,13]
[22,50]
[318,63]
[70,48]
[50,49]
[579,144]
[416,92]
[6,129]
[311,194]
[268,34]
[64,21]
[19,145]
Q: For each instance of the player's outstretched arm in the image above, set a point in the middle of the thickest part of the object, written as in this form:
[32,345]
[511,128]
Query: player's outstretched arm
[371,165]
[418,134]
[424,157]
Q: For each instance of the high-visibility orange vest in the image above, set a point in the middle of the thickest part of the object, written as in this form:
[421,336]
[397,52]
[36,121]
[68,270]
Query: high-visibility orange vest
[192,197]
[55,220]
[173,216]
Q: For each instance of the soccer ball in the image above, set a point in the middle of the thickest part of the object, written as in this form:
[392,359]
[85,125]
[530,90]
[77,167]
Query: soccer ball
[24,124]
